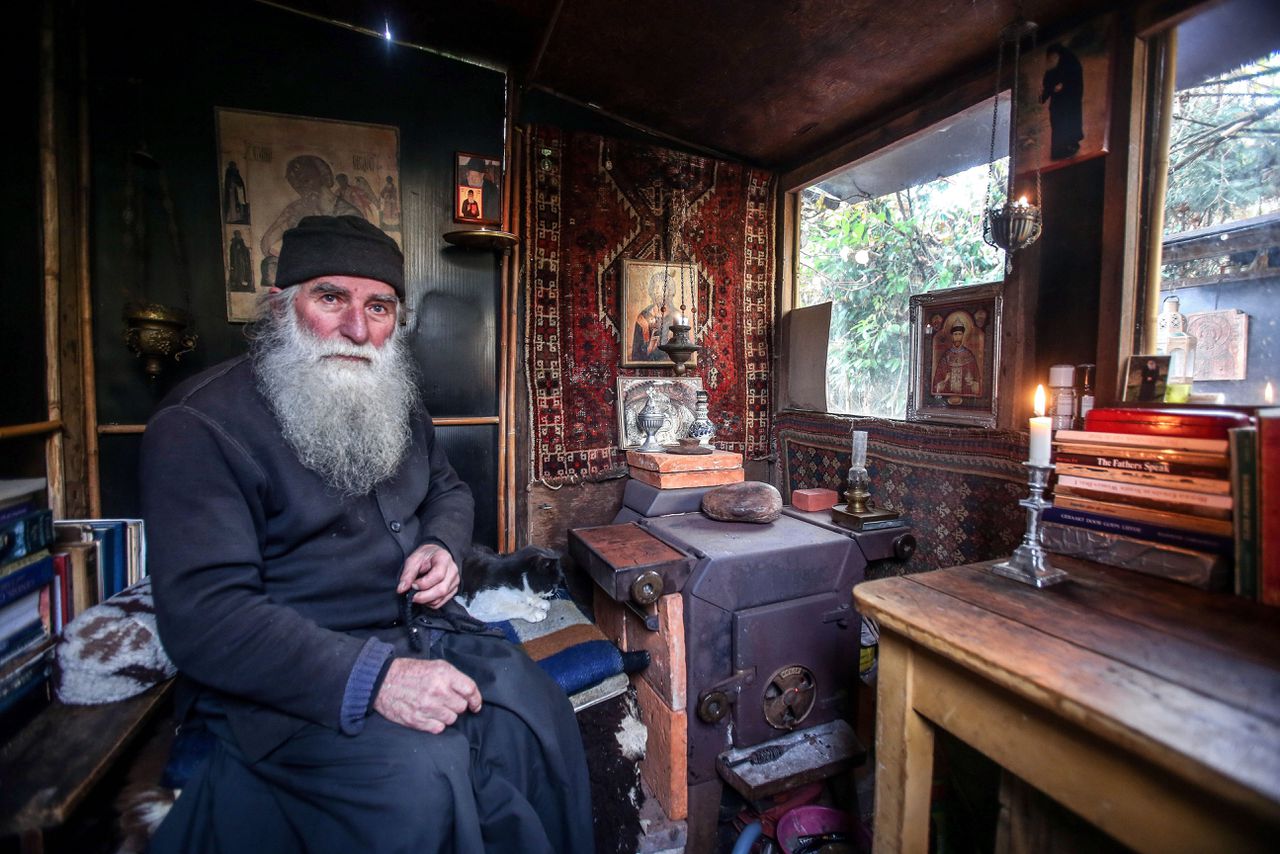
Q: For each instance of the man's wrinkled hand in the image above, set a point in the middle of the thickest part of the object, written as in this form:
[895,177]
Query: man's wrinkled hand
[430,570]
[425,695]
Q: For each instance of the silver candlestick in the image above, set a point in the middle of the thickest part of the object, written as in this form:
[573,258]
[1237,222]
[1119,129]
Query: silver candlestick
[1029,562]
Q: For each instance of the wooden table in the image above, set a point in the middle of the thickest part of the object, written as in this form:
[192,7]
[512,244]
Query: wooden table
[1150,709]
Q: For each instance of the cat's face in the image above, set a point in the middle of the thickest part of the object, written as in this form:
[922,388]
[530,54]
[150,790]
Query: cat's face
[544,571]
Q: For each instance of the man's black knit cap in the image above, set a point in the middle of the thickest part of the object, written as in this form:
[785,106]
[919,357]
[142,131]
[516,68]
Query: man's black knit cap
[339,246]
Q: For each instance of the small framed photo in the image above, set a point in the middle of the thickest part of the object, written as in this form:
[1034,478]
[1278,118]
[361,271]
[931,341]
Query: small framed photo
[955,355]
[652,293]
[478,198]
[1145,379]
[676,395]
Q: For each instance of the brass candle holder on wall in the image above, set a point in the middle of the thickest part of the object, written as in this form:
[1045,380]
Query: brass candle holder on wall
[155,332]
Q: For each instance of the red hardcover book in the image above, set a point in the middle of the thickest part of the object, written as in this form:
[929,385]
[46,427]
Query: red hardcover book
[1269,505]
[1166,421]
[62,576]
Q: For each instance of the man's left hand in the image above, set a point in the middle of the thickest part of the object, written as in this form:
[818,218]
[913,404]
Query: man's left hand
[431,571]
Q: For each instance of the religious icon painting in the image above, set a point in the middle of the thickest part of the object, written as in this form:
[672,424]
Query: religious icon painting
[955,355]
[676,397]
[653,293]
[477,189]
[1064,98]
[276,169]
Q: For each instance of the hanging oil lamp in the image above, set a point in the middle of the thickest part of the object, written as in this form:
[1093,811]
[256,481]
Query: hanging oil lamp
[680,348]
[154,332]
[1016,224]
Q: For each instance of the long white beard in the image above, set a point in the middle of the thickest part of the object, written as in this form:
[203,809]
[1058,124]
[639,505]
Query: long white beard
[348,421]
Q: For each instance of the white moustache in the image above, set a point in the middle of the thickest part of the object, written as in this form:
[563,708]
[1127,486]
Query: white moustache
[346,350]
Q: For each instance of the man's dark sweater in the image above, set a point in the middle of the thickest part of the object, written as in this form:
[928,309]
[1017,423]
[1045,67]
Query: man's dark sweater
[270,589]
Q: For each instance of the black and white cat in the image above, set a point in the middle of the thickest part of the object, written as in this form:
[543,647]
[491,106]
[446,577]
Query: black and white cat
[518,586]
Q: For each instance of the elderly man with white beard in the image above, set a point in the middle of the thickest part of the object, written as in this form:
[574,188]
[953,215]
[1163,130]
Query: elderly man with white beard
[305,531]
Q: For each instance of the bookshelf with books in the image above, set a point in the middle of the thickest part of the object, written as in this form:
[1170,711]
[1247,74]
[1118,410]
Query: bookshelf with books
[1165,491]
[50,572]
[30,597]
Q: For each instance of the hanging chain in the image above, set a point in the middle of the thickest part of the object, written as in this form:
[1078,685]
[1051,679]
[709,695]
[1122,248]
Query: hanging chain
[1034,32]
[995,121]
[1017,28]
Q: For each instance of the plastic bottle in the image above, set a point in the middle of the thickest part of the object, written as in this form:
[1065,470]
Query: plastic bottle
[1062,396]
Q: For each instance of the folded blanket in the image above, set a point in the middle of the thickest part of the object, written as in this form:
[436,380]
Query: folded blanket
[573,651]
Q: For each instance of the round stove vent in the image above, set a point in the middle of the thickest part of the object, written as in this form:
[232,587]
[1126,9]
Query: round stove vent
[789,696]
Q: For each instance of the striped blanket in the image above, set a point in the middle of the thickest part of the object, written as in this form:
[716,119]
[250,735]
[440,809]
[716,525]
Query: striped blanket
[573,651]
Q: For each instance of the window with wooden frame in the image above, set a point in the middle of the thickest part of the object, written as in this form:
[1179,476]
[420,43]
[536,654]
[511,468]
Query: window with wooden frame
[903,221]
[1208,272]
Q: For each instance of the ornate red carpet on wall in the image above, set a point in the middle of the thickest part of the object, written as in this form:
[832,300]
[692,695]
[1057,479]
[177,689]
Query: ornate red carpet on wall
[591,201]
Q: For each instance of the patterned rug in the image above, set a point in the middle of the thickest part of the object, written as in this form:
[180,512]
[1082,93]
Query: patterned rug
[958,486]
[592,201]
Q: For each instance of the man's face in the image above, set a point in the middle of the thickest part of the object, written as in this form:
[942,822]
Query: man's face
[957,337]
[347,308]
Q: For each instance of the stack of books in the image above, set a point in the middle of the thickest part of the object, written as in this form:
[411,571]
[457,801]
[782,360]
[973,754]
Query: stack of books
[30,598]
[116,549]
[1154,490]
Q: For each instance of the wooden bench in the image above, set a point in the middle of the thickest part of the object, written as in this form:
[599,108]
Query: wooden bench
[51,766]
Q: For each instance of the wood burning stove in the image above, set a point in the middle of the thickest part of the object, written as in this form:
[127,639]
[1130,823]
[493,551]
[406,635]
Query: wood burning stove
[769,639]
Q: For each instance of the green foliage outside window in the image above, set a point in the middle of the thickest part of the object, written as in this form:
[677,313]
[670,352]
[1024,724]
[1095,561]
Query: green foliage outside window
[869,257]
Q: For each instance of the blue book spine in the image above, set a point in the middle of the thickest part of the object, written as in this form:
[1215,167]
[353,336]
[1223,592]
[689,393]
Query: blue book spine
[31,676]
[113,546]
[25,580]
[16,511]
[1141,531]
[28,533]
[22,639]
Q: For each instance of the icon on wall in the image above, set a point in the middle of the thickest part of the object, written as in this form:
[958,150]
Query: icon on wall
[276,169]
[478,199]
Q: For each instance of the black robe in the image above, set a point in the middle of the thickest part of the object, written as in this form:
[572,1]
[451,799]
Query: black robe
[273,595]
[1063,88]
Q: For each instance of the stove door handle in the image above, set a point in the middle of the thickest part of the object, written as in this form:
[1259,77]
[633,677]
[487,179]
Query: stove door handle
[647,588]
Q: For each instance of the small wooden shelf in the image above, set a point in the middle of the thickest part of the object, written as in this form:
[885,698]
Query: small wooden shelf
[482,238]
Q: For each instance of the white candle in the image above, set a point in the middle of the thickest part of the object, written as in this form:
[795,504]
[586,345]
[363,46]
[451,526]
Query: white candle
[1041,432]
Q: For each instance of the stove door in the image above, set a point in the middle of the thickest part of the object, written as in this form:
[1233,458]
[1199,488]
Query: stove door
[804,653]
